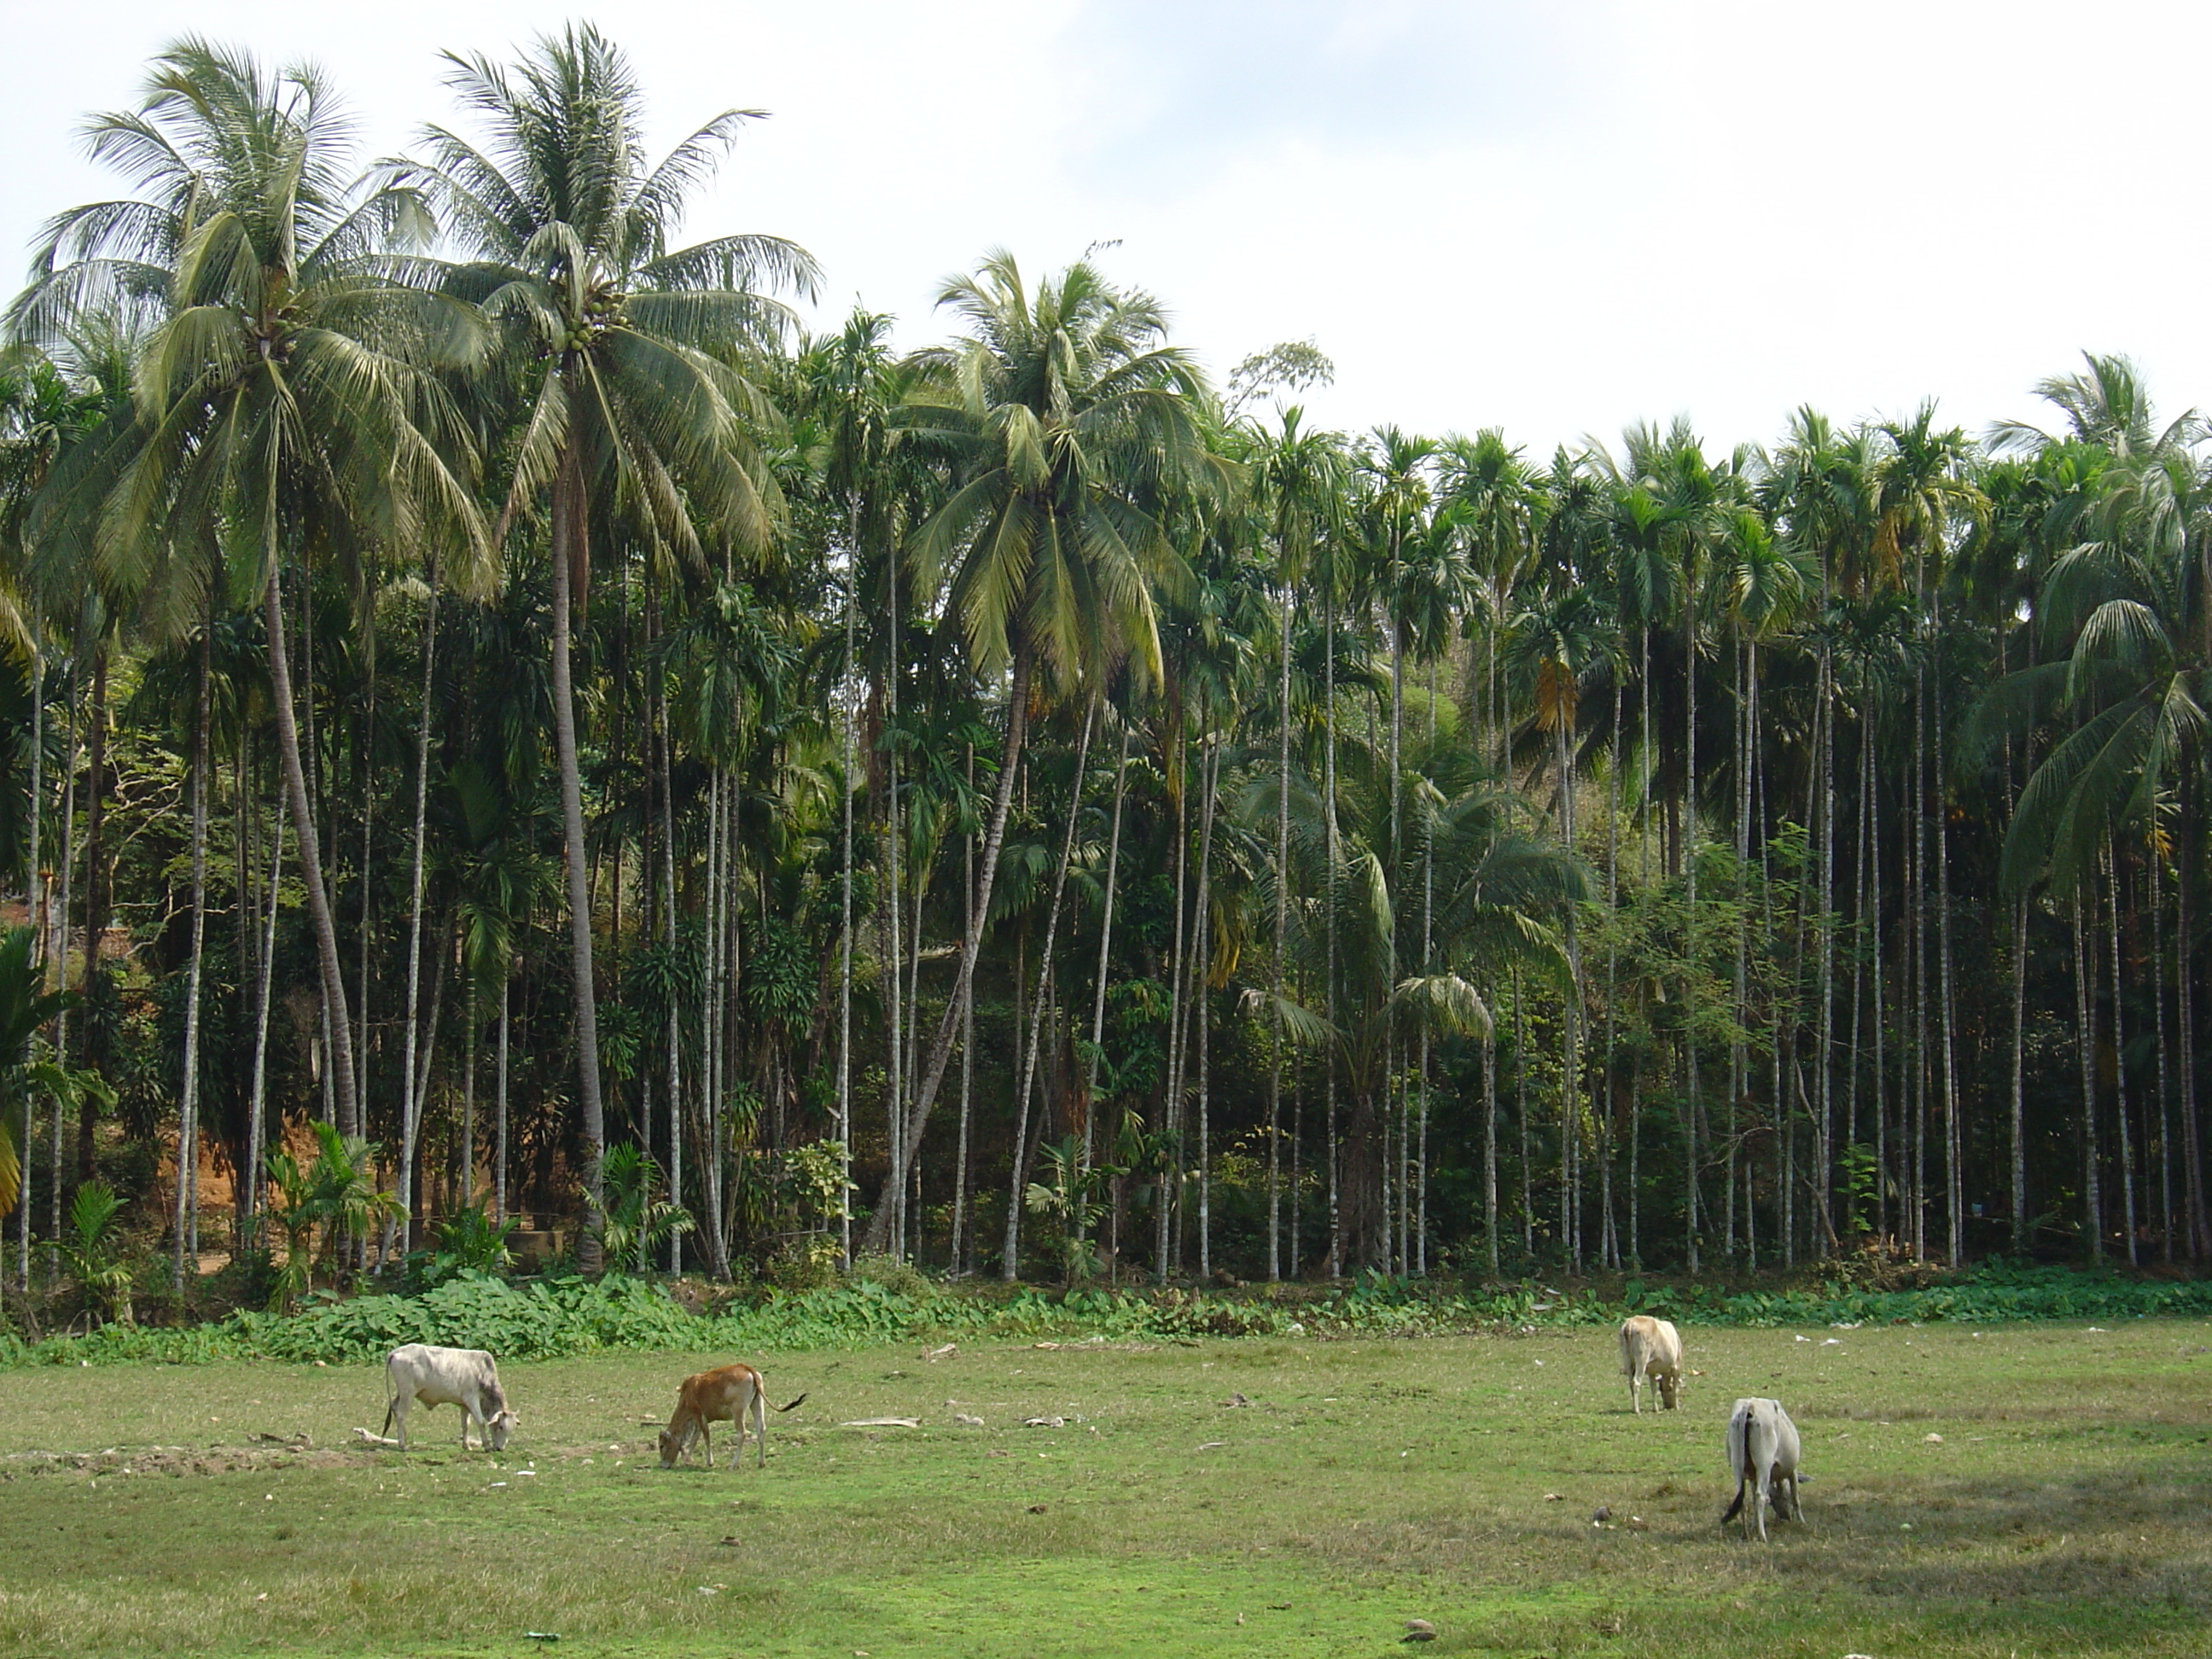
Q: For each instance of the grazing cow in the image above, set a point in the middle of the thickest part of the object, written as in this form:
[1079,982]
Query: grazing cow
[467,1378]
[722,1395]
[1762,1454]
[1651,1347]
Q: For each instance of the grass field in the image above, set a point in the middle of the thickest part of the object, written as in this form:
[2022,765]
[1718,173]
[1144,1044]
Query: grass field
[2066,1508]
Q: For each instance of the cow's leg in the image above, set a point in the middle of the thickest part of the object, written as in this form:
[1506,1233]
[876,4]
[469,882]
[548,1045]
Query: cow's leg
[760,1427]
[706,1440]
[395,1416]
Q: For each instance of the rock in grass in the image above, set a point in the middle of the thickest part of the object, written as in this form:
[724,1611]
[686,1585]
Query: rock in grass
[1419,1630]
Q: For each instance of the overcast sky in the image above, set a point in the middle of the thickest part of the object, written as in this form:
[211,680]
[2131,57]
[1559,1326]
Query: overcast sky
[1553,218]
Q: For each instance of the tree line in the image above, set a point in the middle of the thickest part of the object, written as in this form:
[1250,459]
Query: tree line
[485,685]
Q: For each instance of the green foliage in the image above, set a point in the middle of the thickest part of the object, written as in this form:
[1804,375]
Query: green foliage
[635,1220]
[881,1302]
[92,1250]
[335,1196]
[468,1241]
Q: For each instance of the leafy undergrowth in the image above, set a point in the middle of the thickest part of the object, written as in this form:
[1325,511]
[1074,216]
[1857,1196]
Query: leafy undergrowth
[551,1319]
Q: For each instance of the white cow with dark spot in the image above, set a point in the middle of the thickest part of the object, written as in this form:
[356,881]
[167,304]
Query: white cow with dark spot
[1762,1454]
[1651,1348]
[467,1378]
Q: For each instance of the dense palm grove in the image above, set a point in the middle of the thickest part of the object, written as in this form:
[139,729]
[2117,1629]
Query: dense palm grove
[499,722]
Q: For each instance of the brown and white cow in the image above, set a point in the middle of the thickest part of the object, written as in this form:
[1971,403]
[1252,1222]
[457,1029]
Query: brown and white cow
[1762,1455]
[467,1378]
[1651,1347]
[724,1395]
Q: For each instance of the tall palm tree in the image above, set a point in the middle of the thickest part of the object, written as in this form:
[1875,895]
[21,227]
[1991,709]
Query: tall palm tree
[630,352]
[287,400]
[1063,410]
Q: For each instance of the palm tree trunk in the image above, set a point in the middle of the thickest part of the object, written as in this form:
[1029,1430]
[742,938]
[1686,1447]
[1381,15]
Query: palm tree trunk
[2120,1051]
[1010,1261]
[961,1245]
[668,942]
[1490,1153]
[1520,1112]
[1689,869]
[1329,882]
[257,1107]
[499,1143]
[940,1047]
[845,912]
[894,1009]
[2085,1043]
[366,754]
[35,894]
[61,960]
[1282,922]
[188,1095]
[1105,948]
[1174,767]
[2157,907]
[1202,974]
[570,555]
[96,896]
[340,1070]
[1953,1135]
[2019,1076]
[409,1105]
[2192,1161]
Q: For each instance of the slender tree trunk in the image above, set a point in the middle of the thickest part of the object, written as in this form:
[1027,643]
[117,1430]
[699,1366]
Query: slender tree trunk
[1690,870]
[1010,1263]
[845,909]
[1954,1136]
[675,1022]
[410,1107]
[188,1094]
[2157,907]
[34,895]
[2120,1053]
[1202,970]
[961,1246]
[1282,938]
[570,557]
[340,1070]
[257,1106]
[499,1143]
[1490,1153]
[1105,948]
[2085,1043]
[940,1049]
[2020,1214]
[367,768]
[96,894]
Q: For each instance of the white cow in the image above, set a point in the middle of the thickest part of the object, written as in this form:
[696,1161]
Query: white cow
[1762,1454]
[467,1378]
[1651,1347]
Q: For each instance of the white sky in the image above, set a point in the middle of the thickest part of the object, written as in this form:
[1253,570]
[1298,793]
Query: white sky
[1554,217]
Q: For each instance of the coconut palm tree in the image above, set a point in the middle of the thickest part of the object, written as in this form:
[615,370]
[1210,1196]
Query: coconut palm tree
[287,400]
[1063,410]
[628,351]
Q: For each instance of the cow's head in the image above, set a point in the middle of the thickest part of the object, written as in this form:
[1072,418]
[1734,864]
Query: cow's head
[673,1445]
[1670,1389]
[501,1424]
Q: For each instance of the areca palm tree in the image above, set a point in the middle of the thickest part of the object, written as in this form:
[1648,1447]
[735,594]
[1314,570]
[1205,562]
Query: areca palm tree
[629,351]
[287,401]
[1064,411]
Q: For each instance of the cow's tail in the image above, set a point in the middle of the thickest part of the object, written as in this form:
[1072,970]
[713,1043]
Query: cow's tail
[1735,1508]
[795,1403]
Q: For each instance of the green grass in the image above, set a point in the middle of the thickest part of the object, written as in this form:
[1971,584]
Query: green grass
[2064,1511]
